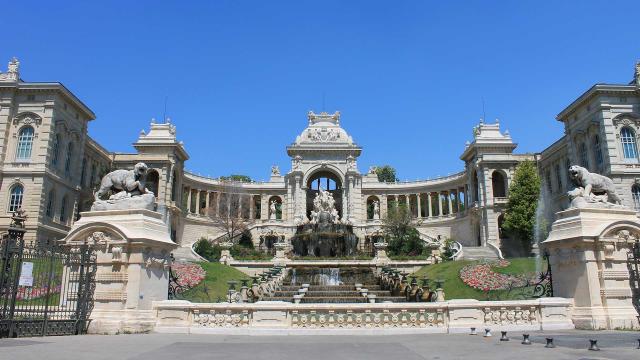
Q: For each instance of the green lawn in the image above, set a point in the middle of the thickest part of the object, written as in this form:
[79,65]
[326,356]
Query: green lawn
[454,288]
[214,285]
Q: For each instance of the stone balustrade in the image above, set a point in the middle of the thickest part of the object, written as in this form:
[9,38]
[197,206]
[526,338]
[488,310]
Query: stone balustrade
[362,318]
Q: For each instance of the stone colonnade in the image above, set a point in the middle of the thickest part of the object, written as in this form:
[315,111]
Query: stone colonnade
[426,205]
[214,203]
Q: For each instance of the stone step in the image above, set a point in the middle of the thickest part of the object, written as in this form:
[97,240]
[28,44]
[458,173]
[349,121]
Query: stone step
[478,253]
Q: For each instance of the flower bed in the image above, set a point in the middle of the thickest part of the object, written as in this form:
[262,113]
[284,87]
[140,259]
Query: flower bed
[481,277]
[32,293]
[188,274]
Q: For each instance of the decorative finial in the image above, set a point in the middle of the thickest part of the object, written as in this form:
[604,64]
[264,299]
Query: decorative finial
[168,120]
[142,133]
[637,74]
[13,71]
[506,133]
[153,120]
[497,121]
[481,120]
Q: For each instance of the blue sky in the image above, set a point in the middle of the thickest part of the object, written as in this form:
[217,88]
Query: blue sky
[408,76]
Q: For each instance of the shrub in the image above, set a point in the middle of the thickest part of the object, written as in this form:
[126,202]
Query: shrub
[246,240]
[408,244]
[207,250]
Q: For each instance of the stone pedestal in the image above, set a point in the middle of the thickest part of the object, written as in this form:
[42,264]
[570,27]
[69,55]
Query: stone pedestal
[133,256]
[281,259]
[381,258]
[588,254]
[225,254]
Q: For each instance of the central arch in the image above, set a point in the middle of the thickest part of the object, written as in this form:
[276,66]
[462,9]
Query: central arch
[327,180]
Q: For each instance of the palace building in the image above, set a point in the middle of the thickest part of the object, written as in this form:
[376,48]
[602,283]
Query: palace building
[51,166]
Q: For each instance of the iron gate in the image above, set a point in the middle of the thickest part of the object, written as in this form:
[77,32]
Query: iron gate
[44,289]
[633,263]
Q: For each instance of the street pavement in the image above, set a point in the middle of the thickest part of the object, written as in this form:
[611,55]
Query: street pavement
[569,345]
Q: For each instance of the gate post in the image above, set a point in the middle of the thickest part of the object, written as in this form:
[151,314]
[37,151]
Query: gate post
[588,250]
[133,250]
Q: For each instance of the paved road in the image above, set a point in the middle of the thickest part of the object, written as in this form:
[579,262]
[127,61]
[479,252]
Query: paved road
[570,345]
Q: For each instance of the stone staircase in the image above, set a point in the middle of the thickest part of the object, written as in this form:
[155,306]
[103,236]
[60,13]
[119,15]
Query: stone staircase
[324,294]
[478,253]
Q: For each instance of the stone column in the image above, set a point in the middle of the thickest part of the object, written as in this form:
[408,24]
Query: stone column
[383,206]
[207,209]
[240,203]
[217,195]
[439,203]
[588,250]
[419,205]
[252,206]
[450,202]
[429,205]
[198,202]
[189,200]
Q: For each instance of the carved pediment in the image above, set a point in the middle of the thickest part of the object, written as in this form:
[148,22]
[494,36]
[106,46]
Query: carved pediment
[27,118]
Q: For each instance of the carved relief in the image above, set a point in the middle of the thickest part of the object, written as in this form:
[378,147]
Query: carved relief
[226,319]
[27,118]
[152,259]
[510,316]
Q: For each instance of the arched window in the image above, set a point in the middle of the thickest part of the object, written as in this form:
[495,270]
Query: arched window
[584,160]
[635,193]
[498,184]
[55,152]
[597,151]
[174,183]
[50,201]
[67,163]
[558,177]
[63,210]
[92,176]
[25,143]
[15,197]
[628,141]
[152,181]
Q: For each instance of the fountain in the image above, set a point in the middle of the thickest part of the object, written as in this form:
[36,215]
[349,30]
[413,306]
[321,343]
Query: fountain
[325,234]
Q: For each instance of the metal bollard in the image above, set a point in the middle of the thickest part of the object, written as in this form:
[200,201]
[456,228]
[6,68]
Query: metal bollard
[487,332]
[504,336]
[525,339]
[593,345]
[473,331]
[550,344]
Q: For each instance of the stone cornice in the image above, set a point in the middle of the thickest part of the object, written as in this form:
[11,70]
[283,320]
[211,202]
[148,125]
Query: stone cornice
[55,86]
[593,91]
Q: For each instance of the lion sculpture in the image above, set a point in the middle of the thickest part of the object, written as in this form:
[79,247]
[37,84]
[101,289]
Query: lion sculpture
[593,185]
[129,181]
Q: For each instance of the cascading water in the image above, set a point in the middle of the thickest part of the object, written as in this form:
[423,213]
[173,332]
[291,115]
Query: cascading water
[539,229]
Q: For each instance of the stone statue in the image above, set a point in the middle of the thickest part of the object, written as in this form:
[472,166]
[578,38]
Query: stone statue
[324,210]
[275,170]
[272,210]
[376,210]
[637,74]
[127,188]
[592,190]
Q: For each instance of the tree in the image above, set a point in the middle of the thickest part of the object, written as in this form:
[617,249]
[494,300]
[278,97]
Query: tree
[520,214]
[236,177]
[232,215]
[386,173]
[402,236]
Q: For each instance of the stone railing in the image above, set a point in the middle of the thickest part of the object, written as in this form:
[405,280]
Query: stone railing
[364,318]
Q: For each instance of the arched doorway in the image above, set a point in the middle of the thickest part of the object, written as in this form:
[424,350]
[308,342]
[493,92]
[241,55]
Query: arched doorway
[327,181]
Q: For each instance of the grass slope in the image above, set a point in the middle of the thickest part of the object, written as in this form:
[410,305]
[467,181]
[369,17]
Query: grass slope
[454,288]
[214,285]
